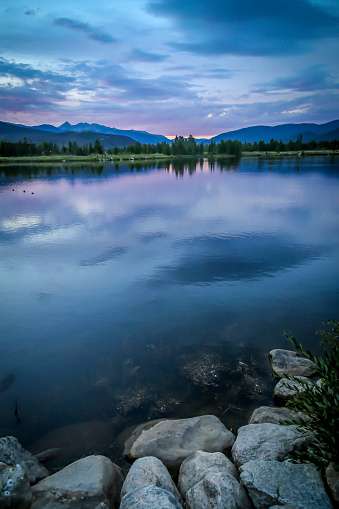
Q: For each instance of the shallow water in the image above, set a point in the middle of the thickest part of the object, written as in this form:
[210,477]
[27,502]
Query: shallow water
[131,293]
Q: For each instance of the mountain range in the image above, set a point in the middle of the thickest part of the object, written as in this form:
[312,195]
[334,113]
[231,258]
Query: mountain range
[84,133]
[141,136]
[284,132]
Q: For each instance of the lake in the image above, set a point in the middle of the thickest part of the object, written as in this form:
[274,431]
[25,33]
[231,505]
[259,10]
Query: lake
[150,290]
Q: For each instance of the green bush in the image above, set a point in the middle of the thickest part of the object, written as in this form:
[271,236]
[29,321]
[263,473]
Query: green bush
[319,402]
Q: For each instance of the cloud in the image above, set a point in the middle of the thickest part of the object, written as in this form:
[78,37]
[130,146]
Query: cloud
[91,32]
[93,88]
[244,27]
[138,55]
[307,80]
[24,72]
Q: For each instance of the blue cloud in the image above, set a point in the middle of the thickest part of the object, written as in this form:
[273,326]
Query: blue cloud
[245,27]
[138,55]
[91,32]
[307,80]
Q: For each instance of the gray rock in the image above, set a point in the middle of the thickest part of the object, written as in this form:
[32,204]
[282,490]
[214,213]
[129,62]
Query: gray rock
[288,506]
[272,482]
[286,362]
[281,392]
[82,485]
[102,505]
[149,497]
[149,470]
[194,468]
[217,491]
[267,442]
[12,453]
[172,441]
[15,490]
[274,415]
[332,478]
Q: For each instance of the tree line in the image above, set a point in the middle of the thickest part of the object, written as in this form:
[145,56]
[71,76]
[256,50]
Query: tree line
[25,148]
[179,146]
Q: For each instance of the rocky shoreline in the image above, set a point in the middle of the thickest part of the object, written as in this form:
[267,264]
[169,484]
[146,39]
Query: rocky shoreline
[195,463]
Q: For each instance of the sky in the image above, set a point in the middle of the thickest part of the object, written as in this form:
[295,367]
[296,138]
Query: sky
[171,67]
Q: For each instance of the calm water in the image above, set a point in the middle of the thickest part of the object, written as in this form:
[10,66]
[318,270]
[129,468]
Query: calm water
[133,293]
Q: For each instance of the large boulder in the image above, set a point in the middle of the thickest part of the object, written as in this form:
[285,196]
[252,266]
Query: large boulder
[149,497]
[172,441]
[216,491]
[12,453]
[286,362]
[15,490]
[267,442]
[82,485]
[274,415]
[149,470]
[270,483]
[194,468]
[286,389]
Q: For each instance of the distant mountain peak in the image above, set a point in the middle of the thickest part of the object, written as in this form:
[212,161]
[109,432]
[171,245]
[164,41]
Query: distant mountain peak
[65,124]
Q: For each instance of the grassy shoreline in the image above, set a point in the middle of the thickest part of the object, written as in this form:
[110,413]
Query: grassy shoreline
[145,157]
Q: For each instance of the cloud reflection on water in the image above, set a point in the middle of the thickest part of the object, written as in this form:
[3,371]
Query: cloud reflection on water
[213,259]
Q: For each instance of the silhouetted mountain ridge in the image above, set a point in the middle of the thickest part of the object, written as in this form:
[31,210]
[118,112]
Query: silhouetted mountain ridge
[284,132]
[14,133]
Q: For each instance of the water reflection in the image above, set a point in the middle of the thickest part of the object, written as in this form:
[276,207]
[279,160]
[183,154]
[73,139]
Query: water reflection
[216,259]
[155,289]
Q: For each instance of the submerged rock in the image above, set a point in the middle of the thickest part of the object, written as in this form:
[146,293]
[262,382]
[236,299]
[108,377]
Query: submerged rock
[172,441]
[132,398]
[75,441]
[286,362]
[267,442]
[203,369]
[149,471]
[84,484]
[272,482]
[12,453]
[194,468]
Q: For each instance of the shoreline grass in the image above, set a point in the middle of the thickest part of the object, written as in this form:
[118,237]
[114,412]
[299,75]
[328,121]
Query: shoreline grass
[106,158]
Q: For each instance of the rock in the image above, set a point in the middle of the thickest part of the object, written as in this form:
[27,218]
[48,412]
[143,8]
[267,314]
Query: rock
[149,470]
[12,453]
[288,506]
[48,455]
[216,491]
[194,468]
[82,485]
[274,415]
[102,505]
[283,393]
[267,442]
[332,478]
[149,497]
[203,369]
[75,441]
[15,490]
[172,441]
[286,362]
[271,482]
